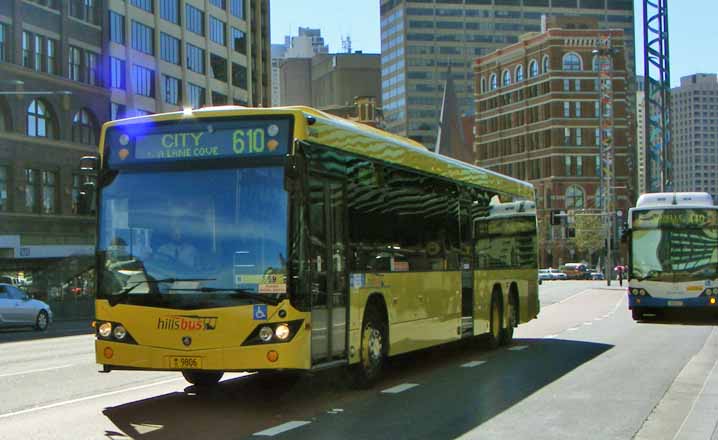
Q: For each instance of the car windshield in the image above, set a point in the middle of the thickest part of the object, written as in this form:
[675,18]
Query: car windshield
[176,226]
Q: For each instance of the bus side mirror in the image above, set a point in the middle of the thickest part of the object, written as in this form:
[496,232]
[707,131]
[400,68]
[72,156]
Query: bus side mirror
[293,169]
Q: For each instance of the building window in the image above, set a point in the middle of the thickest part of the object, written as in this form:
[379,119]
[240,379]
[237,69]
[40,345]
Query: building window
[483,84]
[142,38]
[74,64]
[49,192]
[579,166]
[217,29]
[4,32]
[143,4]
[566,109]
[493,81]
[218,3]
[172,90]
[598,136]
[506,79]
[91,66]
[579,136]
[196,95]
[170,48]
[239,41]
[195,58]
[50,56]
[117,111]
[577,109]
[84,10]
[26,50]
[30,189]
[566,136]
[117,73]
[566,85]
[84,128]
[571,62]
[239,76]
[236,8]
[39,120]
[219,99]
[545,64]
[144,81]
[194,19]
[169,10]
[567,165]
[219,67]
[577,85]
[3,189]
[38,46]
[117,28]
[519,73]
[533,69]
[575,197]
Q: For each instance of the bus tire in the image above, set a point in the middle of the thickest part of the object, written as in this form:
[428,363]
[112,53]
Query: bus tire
[203,378]
[512,320]
[495,331]
[373,349]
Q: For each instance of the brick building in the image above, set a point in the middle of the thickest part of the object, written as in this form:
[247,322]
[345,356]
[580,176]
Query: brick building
[537,119]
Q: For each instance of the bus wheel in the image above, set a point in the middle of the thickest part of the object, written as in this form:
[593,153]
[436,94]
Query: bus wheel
[373,350]
[495,322]
[203,378]
[507,333]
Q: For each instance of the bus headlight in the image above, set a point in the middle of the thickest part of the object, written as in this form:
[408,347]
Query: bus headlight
[105,329]
[266,333]
[642,292]
[282,331]
[119,332]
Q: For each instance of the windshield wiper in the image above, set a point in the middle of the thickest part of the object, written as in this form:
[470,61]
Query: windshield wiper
[238,293]
[115,298]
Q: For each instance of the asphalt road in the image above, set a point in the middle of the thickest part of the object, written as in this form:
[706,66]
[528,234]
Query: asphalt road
[584,369]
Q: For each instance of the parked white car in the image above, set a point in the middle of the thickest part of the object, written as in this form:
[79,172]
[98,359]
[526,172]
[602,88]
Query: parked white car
[557,274]
[544,274]
[17,309]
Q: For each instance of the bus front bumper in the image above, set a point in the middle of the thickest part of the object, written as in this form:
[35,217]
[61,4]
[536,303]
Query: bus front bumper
[637,302]
[122,356]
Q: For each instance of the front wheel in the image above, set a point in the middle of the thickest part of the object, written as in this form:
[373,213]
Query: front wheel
[203,378]
[507,333]
[494,339]
[637,315]
[372,352]
[42,321]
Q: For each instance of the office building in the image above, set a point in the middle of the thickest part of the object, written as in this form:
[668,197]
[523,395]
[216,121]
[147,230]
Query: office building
[167,55]
[538,119]
[306,44]
[640,135]
[421,38]
[694,114]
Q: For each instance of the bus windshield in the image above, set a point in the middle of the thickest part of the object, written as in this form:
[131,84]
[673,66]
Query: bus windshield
[193,239]
[667,248]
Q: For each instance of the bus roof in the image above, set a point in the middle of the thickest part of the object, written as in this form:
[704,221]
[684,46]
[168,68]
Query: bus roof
[675,200]
[335,132]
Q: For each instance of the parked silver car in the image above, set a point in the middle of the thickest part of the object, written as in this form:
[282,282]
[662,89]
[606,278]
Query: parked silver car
[17,309]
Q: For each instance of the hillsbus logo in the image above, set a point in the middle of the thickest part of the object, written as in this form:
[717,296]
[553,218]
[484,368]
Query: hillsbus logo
[187,323]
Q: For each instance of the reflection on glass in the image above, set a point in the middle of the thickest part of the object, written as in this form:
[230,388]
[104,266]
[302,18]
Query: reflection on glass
[226,228]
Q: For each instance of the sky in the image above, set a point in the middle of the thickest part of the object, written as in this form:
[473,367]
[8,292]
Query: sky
[692,28]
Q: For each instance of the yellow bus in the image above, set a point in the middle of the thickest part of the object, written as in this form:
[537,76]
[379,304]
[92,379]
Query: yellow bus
[247,239]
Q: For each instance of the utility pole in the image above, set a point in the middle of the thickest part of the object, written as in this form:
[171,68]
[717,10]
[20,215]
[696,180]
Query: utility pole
[605,51]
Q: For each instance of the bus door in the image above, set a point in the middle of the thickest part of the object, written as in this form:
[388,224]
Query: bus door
[329,289]
[466,266]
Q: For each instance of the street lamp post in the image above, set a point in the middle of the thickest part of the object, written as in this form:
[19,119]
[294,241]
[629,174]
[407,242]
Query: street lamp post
[604,53]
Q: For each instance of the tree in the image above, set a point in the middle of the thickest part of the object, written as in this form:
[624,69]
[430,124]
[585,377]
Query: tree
[590,234]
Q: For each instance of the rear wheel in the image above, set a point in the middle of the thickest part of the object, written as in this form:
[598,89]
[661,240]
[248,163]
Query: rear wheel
[373,349]
[512,315]
[495,321]
[42,321]
[637,315]
[203,378]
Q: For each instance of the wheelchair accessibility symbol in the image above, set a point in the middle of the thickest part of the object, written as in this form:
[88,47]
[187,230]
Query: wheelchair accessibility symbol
[260,312]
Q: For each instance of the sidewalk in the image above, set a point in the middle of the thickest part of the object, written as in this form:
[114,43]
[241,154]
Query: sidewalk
[56,330]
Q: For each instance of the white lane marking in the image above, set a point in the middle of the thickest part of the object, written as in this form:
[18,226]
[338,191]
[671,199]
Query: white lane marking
[20,373]
[82,399]
[284,427]
[607,315]
[519,348]
[574,296]
[550,337]
[473,364]
[587,323]
[335,411]
[598,319]
[572,329]
[400,388]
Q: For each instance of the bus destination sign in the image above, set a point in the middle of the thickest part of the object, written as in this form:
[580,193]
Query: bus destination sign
[668,218]
[200,141]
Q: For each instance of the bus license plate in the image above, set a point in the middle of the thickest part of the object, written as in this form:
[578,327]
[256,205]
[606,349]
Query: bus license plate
[675,303]
[185,362]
